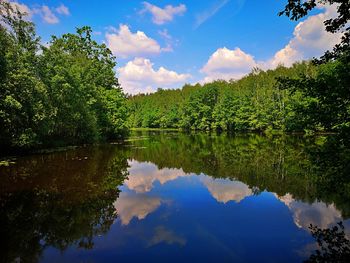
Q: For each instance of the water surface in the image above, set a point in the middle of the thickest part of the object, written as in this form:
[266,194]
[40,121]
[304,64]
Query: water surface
[165,197]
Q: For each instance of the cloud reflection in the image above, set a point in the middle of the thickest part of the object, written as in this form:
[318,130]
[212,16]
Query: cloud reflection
[130,205]
[144,175]
[165,235]
[224,190]
[317,213]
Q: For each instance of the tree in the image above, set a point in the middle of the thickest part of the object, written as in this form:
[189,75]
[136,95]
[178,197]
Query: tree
[85,95]
[333,245]
[296,9]
[66,93]
[330,86]
[23,97]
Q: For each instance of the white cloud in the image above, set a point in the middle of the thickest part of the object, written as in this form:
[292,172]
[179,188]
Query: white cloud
[47,13]
[48,16]
[162,15]
[165,34]
[125,44]
[310,39]
[63,10]
[228,64]
[202,17]
[139,76]
[24,9]
[168,40]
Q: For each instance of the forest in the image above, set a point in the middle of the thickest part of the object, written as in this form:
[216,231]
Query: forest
[303,98]
[62,94]
[67,92]
[311,96]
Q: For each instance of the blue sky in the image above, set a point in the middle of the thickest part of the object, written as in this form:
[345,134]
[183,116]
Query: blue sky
[165,43]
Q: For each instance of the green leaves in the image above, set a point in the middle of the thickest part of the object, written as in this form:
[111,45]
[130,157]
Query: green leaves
[66,94]
[297,9]
[257,102]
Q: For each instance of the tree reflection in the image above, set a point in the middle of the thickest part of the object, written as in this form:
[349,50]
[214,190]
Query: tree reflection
[58,200]
[310,169]
[314,172]
[333,246]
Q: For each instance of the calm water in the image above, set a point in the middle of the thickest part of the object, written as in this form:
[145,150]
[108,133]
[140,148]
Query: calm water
[169,197]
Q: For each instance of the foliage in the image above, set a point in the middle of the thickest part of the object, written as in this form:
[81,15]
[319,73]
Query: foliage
[305,97]
[297,9]
[333,245]
[66,93]
[307,168]
[330,87]
[58,200]
[253,103]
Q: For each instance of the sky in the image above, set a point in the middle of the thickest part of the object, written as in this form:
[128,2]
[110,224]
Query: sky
[167,43]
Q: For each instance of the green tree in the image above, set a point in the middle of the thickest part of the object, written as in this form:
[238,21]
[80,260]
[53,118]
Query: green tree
[330,85]
[297,9]
[66,93]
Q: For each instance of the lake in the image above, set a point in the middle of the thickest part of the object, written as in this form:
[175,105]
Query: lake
[170,196]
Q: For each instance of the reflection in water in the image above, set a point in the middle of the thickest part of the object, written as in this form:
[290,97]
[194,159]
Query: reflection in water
[224,190]
[165,235]
[142,176]
[130,205]
[317,213]
[177,196]
[58,200]
[333,245]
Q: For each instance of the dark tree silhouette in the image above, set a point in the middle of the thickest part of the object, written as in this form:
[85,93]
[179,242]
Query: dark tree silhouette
[297,9]
[333,245]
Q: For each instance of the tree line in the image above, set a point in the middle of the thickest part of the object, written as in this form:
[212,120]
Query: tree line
[308,168]
[67,93]
[309,96]
[60,94]
[304,97]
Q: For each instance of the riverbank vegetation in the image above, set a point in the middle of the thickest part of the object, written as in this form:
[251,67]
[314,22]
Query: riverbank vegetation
[67,93]
[61,94]
[305,97]
[309,96]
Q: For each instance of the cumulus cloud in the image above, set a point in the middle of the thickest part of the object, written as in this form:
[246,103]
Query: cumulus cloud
[228,64]
[124,43]
[139,76]
[21,7]
[63,10]
[163,15]
[310,39]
